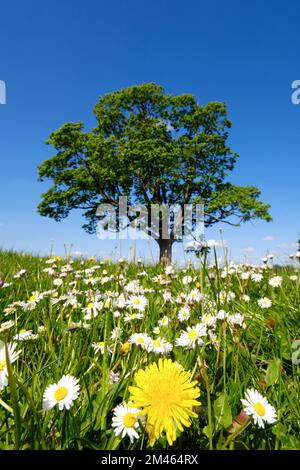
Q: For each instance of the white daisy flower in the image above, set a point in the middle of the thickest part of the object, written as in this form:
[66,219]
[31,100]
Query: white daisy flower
[140,339]
[256,277]
[100,347]
[137,302]
[35,297]
[92,309]
[187,280]
[9,310]
[7,325]
[192,336]
[259,408]
[245,276]
[20,273]
[133,316]
[226,296]
[222,314]
[125,421]
[159,346]
[194,296]
[12,356]
[107,302]
[91,280]
[167,296]
[236,320]
[25,335]
[134,287]
[116,333]
[121,302]
[51,260]
[164,321]
[62,394]
[184,314]
[275,281]
[264,302]
[209,320]
[32,301]
[245,298]
[49,271]
[169,270]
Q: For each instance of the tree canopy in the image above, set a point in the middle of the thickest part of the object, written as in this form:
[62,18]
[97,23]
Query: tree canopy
[154,148]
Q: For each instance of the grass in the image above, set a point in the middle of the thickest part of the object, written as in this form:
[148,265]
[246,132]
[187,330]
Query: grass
[262,354]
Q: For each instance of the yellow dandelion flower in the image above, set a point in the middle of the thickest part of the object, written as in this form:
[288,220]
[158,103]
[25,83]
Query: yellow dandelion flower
[166,395]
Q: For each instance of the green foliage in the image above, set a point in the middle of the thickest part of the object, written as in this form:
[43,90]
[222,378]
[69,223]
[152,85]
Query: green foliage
[154,148]
[222,412]
[273,372]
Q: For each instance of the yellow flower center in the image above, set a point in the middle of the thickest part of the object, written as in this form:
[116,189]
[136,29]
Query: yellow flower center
[156,343]
[60,393]
[107,304]
[136,301]
[129,420]
[192,334]
[22,331]
[100,344]
[33,298]
[2,365]
[140,340]
[260,409]
[90,304]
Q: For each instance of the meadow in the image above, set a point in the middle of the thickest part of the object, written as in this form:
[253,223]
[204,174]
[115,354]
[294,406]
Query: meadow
[101,355]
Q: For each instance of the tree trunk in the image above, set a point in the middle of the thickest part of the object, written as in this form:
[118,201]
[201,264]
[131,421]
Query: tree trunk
[165,251]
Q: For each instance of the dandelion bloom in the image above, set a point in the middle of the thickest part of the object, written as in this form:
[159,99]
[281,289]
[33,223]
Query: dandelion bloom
[166,395]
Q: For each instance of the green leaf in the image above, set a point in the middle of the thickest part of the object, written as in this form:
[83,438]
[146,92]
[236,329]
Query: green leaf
[222,410]
[273,372]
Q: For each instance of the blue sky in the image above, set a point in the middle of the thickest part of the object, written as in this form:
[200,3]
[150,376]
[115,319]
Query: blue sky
[58,57]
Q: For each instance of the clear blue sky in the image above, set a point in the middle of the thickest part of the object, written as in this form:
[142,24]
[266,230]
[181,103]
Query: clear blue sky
[58,57]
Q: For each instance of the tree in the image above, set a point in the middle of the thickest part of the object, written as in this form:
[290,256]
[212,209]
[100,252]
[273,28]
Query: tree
[155,148]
